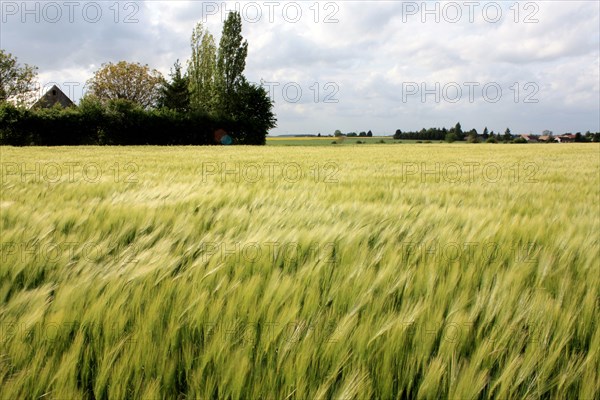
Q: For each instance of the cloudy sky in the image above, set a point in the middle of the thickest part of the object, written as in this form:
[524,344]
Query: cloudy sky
[348,65]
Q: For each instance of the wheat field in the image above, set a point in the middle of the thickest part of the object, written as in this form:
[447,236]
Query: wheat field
[426,271]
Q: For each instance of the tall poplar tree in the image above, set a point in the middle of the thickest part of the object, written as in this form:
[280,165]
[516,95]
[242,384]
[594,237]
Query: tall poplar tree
[231,62]
[201,70]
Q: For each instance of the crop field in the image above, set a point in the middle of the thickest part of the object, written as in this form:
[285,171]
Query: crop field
[326,141]
[379,271]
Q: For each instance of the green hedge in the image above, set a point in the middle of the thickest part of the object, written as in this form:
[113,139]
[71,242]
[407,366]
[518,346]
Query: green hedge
[120,123]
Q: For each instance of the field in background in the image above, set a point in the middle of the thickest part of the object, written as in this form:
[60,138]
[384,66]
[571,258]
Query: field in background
[327,141]
[430,271]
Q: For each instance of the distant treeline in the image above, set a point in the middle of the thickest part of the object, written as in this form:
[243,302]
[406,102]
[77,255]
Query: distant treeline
[450,135]
[457,134]
[423,134]
[121,122]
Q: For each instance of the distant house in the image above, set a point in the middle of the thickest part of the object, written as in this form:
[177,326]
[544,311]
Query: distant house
[51,98]
[529,138]
[568,138]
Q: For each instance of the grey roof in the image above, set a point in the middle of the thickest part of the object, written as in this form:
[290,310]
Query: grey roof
[52,97]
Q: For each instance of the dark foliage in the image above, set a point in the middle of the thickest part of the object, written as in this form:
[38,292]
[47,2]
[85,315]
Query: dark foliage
[121,122]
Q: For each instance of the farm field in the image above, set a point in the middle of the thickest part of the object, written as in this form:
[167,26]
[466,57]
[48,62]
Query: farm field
[327,141]
[348,272]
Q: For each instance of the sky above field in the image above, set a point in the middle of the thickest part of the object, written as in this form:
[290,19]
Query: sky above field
[351,65]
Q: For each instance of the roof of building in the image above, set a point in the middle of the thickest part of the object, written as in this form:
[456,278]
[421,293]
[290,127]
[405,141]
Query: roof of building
[52,97]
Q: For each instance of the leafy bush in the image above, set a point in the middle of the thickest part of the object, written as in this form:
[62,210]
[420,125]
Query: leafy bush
[451,137]
[121,122]
[472,139]
[11,127]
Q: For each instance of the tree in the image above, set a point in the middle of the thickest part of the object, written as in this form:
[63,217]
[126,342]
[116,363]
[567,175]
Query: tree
[458,132]
[472,138]
[451,136]
[202,69]
[485,134]
[175,95]
[337,133]
[370,134]
[507,135]
[17,82]
[253,108]
[231,62]
[127,81]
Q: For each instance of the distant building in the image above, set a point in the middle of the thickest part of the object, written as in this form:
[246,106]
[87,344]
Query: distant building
[568,138]
[529,138]
[51,98]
